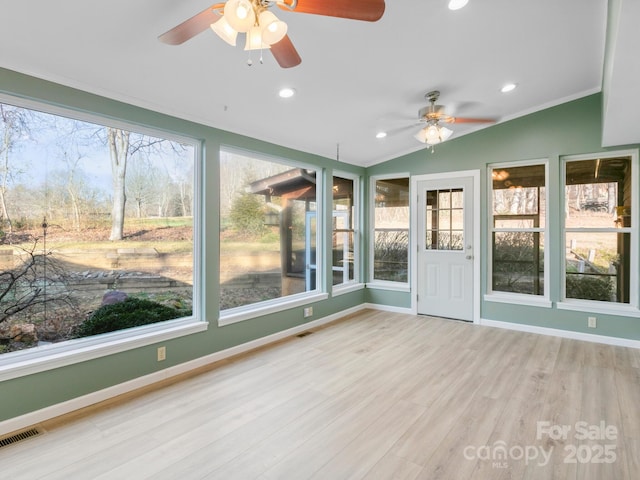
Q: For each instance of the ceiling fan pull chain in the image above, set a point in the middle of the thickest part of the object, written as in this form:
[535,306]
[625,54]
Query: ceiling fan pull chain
[250,62]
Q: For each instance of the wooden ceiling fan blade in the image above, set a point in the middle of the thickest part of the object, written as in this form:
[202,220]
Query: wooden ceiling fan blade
[366,10]
[285,53]
[192,26]
[471,120]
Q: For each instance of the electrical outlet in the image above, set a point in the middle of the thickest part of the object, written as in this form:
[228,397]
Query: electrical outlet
[591,321]
[162,353]
[308,312]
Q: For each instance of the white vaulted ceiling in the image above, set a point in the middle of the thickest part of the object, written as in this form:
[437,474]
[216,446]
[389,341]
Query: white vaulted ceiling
[356,78]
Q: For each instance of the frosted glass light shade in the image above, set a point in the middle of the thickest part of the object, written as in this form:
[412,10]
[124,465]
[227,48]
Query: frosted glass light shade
[273,30]
[421,136]
[445,133]
[240,15]
[433,134]
[225,31]
[254,40]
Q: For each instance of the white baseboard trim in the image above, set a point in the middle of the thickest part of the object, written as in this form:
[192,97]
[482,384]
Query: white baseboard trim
[47,413]
[387,308]
[554,332]
[38,416]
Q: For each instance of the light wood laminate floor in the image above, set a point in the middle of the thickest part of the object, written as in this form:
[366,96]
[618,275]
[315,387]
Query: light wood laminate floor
[374,396]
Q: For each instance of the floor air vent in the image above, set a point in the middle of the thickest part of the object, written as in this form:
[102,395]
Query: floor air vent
[18,437]
[303,334]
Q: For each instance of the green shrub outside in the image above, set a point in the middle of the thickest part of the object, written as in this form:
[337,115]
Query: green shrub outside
[133,312]
[247,215]
[589,287]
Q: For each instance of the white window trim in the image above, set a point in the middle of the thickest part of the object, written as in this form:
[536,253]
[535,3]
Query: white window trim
[613,308]
[96,118]
[357,215]
[258,309]
[518,299]
[543,300]
[386,284]
[594,306]
[349,287]
[47,357]
[247,312]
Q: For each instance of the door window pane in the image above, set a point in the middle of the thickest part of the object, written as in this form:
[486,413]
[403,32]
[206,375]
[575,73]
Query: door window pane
[444,219]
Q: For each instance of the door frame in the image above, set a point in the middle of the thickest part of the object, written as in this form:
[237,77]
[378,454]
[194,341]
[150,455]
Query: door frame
[417,209]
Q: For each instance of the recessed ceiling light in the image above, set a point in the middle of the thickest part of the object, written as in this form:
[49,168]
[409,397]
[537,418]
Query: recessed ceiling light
[457,4]
[287,92]
[381,134]
[508,87]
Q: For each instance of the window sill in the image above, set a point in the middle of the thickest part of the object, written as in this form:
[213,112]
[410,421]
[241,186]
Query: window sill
[48,357]
[394,286]
[518,299]
[599,307]
[346,288]
[240,314]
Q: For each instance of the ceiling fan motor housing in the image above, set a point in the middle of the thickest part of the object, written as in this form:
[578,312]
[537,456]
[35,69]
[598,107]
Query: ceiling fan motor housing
[431,111]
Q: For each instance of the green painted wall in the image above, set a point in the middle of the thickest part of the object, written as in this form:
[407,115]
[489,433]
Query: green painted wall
[568,129]
[571,128]
[22,395]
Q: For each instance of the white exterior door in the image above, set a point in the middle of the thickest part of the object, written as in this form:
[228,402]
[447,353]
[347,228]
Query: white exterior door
[445,248]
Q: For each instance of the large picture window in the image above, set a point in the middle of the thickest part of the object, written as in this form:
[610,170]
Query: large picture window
[518,225]
[345,264]
[96,228]
[390,241]
[268,230]
[597,230]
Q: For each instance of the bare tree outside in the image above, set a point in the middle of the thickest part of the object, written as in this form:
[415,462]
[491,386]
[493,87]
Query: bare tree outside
[14,126]
[90,215]
[118,142]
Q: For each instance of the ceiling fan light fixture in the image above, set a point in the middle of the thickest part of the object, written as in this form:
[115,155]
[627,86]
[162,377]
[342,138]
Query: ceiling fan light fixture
[255,40]
[273,29]
[421,136]
[225,31]
[240,15]
[445,133]
[433,134]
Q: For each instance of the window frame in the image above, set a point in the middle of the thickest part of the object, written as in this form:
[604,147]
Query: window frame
[388,284]
[543,300]
[597,306]
[48,357]
[355,283]
[233,315]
